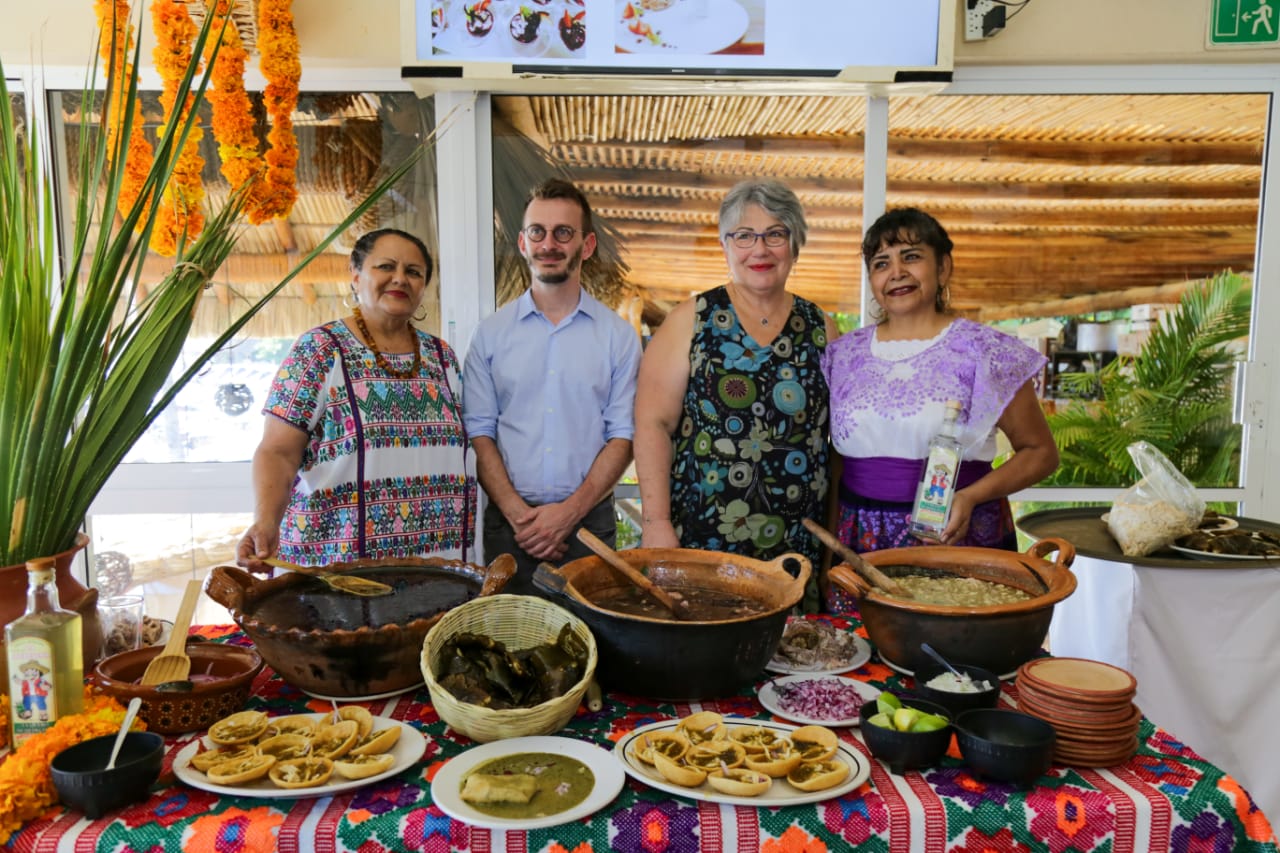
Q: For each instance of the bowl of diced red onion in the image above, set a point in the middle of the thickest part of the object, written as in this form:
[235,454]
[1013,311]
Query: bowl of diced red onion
[219,685]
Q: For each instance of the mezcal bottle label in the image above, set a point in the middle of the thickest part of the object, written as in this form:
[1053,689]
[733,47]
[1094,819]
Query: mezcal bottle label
[32,698]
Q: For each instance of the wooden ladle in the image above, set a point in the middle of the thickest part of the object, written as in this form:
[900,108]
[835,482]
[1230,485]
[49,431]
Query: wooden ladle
[873,576]
[613,558]
[342,583]
[172,664]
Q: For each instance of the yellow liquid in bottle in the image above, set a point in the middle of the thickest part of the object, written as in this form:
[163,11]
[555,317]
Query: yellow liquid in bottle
[46,671]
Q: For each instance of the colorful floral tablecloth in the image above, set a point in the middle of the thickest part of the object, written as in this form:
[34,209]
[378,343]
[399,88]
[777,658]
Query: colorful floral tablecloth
[1164,798]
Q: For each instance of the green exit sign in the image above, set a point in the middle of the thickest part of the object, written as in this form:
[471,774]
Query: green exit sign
[1244,23]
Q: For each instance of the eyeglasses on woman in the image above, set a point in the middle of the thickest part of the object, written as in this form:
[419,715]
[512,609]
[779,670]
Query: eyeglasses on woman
[745,238]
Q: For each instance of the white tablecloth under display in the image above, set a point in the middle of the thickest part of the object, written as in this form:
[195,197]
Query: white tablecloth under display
[1202,639]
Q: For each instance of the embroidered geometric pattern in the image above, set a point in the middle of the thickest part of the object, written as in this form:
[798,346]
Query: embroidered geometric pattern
[408,426]
[1166,798]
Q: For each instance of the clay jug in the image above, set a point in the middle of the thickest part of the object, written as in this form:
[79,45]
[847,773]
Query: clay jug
[72,595]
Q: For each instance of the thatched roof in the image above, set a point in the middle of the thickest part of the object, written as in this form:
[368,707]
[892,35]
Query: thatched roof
[1058,205]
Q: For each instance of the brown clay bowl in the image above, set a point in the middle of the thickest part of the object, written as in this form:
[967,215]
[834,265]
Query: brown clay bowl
[683,659]
[334,644]
[169,712]
[998,637]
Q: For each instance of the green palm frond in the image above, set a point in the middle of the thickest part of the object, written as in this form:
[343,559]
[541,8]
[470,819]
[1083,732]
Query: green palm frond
[82,379]
[1176,394]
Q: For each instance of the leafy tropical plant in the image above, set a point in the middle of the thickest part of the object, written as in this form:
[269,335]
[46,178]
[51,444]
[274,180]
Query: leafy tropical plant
[1175,394]
[85,362]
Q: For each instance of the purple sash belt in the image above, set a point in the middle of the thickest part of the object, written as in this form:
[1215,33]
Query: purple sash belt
[894,480]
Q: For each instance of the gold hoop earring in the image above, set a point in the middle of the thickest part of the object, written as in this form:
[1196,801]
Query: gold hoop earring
[350,300]
[425,312]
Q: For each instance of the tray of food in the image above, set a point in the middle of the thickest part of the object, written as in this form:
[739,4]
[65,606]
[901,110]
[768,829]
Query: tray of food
[814,646]
[742,762]
[527,782]
[250,754]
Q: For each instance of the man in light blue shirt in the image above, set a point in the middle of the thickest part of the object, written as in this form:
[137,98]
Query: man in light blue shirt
[548,394]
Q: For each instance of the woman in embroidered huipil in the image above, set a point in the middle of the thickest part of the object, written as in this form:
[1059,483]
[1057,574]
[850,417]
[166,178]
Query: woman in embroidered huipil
[731,407]
[890,383]
[364,452]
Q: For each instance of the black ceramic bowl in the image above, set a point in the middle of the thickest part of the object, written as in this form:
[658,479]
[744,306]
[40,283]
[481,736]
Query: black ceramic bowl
[904,751]
[954,702]
[1008,746]
[85,785]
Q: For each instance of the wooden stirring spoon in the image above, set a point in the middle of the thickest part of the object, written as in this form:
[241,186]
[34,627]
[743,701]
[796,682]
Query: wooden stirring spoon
[172,664]
[335,580]
[873,576]
[613,558]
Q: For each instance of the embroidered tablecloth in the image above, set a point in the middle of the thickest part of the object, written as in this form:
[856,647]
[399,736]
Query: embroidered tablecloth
[1165,798]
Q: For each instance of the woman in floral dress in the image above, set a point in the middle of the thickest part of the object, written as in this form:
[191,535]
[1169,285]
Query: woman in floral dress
[731,406]
[364,453]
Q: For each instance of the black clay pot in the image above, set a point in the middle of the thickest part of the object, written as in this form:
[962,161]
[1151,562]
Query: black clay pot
[1004,745]
[84,784]
[331,643]
[998,637]
[904,751]
[678,660]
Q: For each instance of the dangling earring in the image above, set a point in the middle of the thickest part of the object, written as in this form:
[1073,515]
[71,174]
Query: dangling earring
[942,299]
[351,300]
[425,311]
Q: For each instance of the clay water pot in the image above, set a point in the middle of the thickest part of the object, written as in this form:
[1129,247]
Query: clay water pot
[72,595]
[334,644]
[998,637]
[685,659]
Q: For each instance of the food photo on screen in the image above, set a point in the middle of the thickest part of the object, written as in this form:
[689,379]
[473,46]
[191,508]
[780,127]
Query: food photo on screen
[510,30]
[689,27]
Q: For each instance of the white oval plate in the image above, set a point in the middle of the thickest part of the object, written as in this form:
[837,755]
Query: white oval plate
[447,785]
[681,32]
[861,654]
[780,794]
[407,752]
[1209,555]
[772,702]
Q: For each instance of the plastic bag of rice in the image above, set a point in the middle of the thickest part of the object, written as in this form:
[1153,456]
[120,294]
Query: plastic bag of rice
[1142,527]
[1156,510]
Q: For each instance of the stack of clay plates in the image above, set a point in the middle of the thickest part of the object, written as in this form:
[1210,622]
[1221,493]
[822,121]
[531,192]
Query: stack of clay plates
[1089,704]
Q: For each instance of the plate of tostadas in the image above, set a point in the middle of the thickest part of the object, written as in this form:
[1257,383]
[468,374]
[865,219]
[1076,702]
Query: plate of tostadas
[766,780]
[249,754]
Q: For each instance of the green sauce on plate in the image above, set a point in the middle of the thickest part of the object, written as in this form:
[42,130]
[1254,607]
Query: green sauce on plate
[562,783]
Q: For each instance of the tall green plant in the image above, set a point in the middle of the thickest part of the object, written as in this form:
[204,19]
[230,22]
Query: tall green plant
[1176,394]
[83,361]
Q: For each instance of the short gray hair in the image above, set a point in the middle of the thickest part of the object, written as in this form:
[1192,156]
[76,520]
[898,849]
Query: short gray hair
[775,197]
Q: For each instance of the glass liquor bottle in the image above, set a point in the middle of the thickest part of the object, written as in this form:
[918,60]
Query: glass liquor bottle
[938,484]
[44,654]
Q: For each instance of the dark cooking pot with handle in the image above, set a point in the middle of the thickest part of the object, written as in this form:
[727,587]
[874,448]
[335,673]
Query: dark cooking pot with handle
[334,644]
[998,637]
[682,659]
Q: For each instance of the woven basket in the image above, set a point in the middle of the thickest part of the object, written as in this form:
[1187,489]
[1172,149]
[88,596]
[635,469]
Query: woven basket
[518,622]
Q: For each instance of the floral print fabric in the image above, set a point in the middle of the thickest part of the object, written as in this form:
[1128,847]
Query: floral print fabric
[751,448]
[419,496]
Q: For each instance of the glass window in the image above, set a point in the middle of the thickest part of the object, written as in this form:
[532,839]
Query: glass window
[347,141]
[1080,222]
[656,169]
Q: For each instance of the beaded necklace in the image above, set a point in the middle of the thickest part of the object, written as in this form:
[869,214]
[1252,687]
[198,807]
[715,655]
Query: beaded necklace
[381,359]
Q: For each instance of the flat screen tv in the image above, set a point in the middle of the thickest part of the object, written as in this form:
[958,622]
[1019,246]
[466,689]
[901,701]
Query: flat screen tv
[556,44]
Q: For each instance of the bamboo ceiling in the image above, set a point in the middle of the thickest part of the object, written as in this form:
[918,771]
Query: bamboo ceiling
[1057,204]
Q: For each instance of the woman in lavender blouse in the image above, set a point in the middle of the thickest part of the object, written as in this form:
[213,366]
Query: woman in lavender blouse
[889,386]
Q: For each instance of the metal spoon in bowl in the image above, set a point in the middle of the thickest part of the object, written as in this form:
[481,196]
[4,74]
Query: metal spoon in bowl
[132,711]
[933,653]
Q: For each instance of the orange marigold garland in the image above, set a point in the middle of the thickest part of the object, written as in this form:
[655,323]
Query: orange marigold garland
[114,39]
[280,65]
[181,216]
[26,785]
[233,124]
